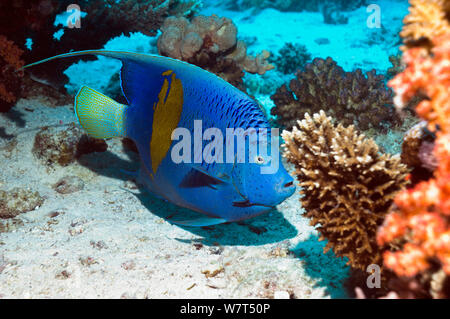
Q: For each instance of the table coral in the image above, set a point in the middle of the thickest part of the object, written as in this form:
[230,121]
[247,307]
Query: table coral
[421,217]
[350,97]
[10,73]
[347,185]
[211,43]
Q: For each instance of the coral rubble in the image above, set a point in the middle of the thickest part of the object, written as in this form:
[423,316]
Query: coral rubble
[352,98]
[421,217]
[211,43]
[18,201]
[63,146]
[347,185]
[10,73]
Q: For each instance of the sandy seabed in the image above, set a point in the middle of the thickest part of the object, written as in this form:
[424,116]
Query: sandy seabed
[112,240]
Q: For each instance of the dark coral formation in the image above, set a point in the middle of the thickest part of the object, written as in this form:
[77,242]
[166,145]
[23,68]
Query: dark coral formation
[18,201]
[34,20]
[417,152]
[352,98]
[397,66]
[211,43]
[10,73]
[62,145]
[347,185]
[291,57]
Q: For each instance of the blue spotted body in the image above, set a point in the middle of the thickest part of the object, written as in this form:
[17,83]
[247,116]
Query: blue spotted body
[164,94]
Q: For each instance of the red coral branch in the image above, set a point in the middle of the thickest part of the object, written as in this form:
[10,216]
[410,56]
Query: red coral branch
[422,216]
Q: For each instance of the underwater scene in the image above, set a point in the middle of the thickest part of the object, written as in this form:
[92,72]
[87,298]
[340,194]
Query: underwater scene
[234,149]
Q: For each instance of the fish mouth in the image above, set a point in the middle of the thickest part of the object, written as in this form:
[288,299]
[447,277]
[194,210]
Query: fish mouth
[247,203]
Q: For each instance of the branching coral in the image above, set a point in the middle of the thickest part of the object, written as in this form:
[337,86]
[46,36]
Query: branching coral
[397,66]
[211,43]
[422,216]
[291,57]
[427,20]
[10,73]
[347,185]
[350,97]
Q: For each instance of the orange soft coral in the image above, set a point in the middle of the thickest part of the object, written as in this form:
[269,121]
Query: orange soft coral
[427,20]
[422,214]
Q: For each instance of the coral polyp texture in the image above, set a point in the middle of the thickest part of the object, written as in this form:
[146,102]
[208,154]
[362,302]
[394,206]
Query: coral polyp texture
[347,185]
[427,20]
[352,98]
[211,43]
[422,215]
[10,73]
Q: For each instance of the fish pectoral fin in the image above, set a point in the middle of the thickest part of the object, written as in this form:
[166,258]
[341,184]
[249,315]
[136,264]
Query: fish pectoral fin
[244,203]
[198,178]
[200,222]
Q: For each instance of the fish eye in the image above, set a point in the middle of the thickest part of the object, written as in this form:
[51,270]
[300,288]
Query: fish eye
[259,159]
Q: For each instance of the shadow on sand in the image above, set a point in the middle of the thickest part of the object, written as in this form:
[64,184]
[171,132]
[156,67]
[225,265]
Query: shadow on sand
[268,228]
[330,271]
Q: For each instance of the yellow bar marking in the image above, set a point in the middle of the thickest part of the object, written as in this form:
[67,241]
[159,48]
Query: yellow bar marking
[165,119]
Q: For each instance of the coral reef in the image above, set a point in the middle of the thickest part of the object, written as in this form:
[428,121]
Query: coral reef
[427,20]
[352,98]
[34,20]
[347,185]
[417,152]
[290,58]
[397,66]
[10,73]
[420,220]
[211,43]
[18,201]
[62,145]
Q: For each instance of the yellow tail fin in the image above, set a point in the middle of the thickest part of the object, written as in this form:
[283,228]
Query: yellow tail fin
[99,115]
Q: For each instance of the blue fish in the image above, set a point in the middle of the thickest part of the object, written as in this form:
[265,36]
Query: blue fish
[164,94]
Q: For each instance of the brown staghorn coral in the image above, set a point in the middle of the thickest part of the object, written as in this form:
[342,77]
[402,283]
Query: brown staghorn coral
[10,73]
[211,43]
[350,97]
[427,20]
[347,185]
